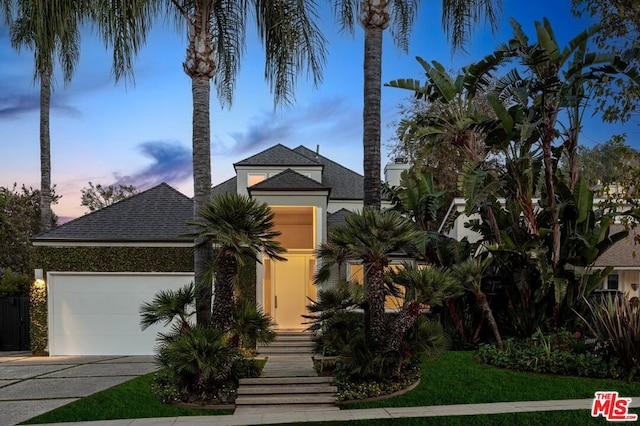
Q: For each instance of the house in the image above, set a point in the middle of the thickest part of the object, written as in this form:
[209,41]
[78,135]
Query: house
[623,256]
[102,266]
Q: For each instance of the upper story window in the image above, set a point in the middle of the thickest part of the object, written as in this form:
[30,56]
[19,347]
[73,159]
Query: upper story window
[254,178]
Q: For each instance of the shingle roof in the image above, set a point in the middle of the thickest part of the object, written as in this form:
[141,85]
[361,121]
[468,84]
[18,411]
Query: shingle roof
[277,155]
[337,218]
[345,183]
[621,254]
[228,186]
[289,180]
[155,215]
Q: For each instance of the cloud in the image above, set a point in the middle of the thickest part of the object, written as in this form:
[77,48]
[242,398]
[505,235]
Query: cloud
[14,106]
[328,120]
[171,163]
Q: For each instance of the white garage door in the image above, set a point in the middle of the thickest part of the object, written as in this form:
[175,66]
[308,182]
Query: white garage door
[98,313]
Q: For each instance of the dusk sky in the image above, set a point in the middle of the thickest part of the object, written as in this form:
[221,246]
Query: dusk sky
[141,134]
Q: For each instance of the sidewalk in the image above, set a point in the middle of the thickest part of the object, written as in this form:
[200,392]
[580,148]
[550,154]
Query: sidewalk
[364,414]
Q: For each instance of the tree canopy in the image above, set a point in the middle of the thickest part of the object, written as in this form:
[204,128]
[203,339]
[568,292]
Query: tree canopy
[96,197]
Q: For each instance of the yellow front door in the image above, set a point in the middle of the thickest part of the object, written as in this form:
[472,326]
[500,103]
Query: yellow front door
[292,282]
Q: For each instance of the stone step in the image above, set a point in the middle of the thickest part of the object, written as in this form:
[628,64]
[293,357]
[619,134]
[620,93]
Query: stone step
[285,380]
[284,408]
[291,389]
[285,351]
[284,400]
[288,343]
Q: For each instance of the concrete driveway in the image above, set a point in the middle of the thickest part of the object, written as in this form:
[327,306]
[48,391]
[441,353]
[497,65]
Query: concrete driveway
[30,385]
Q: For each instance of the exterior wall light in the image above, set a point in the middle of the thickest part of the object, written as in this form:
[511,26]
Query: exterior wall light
[39,278]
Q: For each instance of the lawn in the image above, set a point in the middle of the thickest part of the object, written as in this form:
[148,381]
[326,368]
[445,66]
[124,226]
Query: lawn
[457,379]
[453,379]
[129,400]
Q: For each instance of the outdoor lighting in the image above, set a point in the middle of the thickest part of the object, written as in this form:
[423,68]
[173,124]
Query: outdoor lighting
[38,274]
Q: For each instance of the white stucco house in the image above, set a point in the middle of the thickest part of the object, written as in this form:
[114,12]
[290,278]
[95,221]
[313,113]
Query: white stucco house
[93,305]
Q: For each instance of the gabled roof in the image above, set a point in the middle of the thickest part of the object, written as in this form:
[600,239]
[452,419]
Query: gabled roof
[277,155]
[228,186]
[623,254]
[345,184]
[155,215]
[289,180]
[337,218]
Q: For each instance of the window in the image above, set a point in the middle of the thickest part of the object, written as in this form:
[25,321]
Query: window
[612,282]
[254,178]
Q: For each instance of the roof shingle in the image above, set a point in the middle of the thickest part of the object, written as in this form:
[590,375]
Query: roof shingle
[155,215]
[288,180]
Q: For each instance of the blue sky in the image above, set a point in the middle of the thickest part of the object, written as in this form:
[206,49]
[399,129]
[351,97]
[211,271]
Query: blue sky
[141,134]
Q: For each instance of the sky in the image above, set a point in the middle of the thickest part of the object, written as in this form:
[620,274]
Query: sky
[140,133]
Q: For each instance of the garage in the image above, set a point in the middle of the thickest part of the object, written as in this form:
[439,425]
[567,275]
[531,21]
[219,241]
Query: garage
[97,313]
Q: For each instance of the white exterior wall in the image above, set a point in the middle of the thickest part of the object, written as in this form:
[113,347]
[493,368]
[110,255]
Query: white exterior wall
[98,313]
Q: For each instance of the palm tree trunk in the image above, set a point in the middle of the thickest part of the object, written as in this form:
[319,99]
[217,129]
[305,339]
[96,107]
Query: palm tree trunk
[200,66]
[201,192]
[375,298]
[405,319]
[45,150]
[227,268]
[481,299]
[371,111]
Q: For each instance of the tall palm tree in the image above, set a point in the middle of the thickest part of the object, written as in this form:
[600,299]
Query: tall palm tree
[215,32]
[56,37]
[239,228]
[458,19]
[369,237]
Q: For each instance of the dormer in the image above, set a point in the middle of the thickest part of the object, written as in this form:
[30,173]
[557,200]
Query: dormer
[272,162]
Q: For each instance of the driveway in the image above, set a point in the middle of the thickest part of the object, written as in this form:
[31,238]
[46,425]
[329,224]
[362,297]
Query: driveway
[31,385]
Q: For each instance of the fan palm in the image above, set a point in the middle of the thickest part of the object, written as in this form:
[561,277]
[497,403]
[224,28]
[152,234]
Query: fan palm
[369,237]
[56,37]
[471,273]
[239,228]
[215,32]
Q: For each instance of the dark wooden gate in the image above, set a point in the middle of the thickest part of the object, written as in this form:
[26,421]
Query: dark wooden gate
[14,324]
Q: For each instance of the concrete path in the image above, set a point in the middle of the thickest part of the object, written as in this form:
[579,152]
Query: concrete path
[348,415]
[30,385]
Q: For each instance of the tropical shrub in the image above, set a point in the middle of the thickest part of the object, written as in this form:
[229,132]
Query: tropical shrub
[559,353]
[616,323]
[250,325]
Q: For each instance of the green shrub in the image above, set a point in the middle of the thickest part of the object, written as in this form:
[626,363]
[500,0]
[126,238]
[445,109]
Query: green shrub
[201,360]
[13,284]
[360,390]
[163,386]
[616,323]
[552,354]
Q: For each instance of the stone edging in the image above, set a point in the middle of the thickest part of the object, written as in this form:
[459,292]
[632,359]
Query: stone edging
[383,397]
[203,406]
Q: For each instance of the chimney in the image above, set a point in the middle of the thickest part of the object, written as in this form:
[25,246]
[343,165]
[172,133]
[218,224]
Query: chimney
[393,170]
[317,150]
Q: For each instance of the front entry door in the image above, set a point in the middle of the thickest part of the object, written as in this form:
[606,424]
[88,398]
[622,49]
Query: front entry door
[292,286]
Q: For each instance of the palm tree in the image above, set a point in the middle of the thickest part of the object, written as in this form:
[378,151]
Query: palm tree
[216,38]
[56,36]
[369,237]
[458,18]
[471,273]
[239,228]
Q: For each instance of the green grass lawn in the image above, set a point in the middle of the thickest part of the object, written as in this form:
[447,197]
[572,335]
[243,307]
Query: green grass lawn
[129,400]
[453,379]
[457,379]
